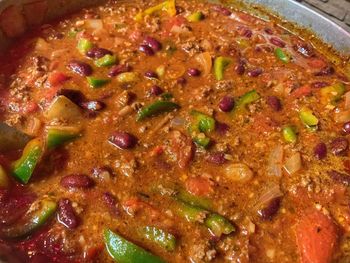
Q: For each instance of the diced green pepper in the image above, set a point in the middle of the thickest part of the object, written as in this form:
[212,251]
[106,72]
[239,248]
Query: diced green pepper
[220,64]
[168,6]
[289,134]
[308,118]
[38,214]
[202,140]
[247,98]
[156,108]
[194,200]
[106,61]
[189,212]
[84,45]
[281,55]
[167,96]
[57,136]
[4,181]
[195,17]
[204,122]
[97,82]
[219,225]
[160,237]
[123,251]
[333,93]
[127,77]
[23,168]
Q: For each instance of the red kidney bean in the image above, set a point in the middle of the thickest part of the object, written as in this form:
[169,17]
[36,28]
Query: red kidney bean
[66,214]
[226,104]
[75,96]
[81,68]
[277,42]
[155,90]
[338,177]
[102,173]
[320,151]
[181,81]
[255,72]
[123,140]
[304,49]
[346,128]
[111,203]
[274,103]
[97,52]
[339,146]
[268,212]
[118,69]
[222,10]
[77,181]
[93,105]
[326,71]
[147,50]
[151,74]
[217,158]
[240,67]
[268,31]
[247,33]
[319,84]
[152,43]
[193,72]
[222,128]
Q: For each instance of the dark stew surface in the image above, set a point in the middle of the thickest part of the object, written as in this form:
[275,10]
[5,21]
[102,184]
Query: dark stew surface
[173,132]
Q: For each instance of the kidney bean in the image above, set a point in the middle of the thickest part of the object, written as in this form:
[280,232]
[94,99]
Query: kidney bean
[151,74]
[226,104]
[217,158]
[123,140]
[118,69]
[247,33]
[268,212]
[81,68]
[268,31]
[320,151]
[255,72]
[147,50]
[75,96]
[346,128]
[274,103]
[222,128]
[277,42]
[339,146]
[155,90]
[97,53]
[77,181]
[193,72]
[111,202]
[93,105]
[338,177]
[319,84]
[181,81]
[222,10]
[240,67]
[66,214]
[326,71]
[152,43]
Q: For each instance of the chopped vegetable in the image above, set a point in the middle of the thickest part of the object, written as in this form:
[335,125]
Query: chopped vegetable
[274,167]
[281,55]
[271,192]
[204,123]
[64,109]
[57,135]
[289,134]
[105,61]
[4,181]
[127,77]
[24,167]
[198,201]
[84,45]
[160,71]
[238,172]
[97,82]
[11,138]
[220,64]
[246,99]
[201,140]
[38,214]
[204,59]
[167,96]
[167,6]
[189,212]
[156,108]
[219,225]
[293,163]
[123,251]
[333,93]
[160,237]
[308,118]
[195,17]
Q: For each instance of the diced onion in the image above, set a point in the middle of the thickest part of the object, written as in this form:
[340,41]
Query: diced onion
[342,116]
[238,172]
[273,191]
[274,167]
[293,163]
[347,100]
[95,24]
[204,59]
[64,109]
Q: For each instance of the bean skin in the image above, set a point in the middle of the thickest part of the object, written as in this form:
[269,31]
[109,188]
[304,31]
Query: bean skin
[277,42]
[123,140]
[339,146]
[152,43]
[226,104]
[240,67]
[118,69]
[193,72]
[222,10]
[66,215]
[97,52]
[81,68]
[255,72]
[217,158]
[338,177]
[151,74]
[77,181]
[320,151]
[155,90]
[147,50]
[268,212]
[274,103]
[111,203]
[346,128]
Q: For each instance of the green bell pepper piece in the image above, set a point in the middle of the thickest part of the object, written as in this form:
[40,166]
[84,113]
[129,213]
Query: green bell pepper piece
[84,45]
[289,134]
[57,136]
[127,77]
[38,214]
[308,118]
[332,94]
[244,100]
[220,64]
[194,200]
[189,212]
[219,225]
[195,17]
[156,108]
[159,237]
[97,82]
[123,251]
[202,141]
[23,168]
[168,6]
[203,122]
[106,61]
[4,181]
[281,55]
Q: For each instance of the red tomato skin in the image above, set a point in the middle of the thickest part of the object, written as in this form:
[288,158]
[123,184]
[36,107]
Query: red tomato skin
[199,186]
